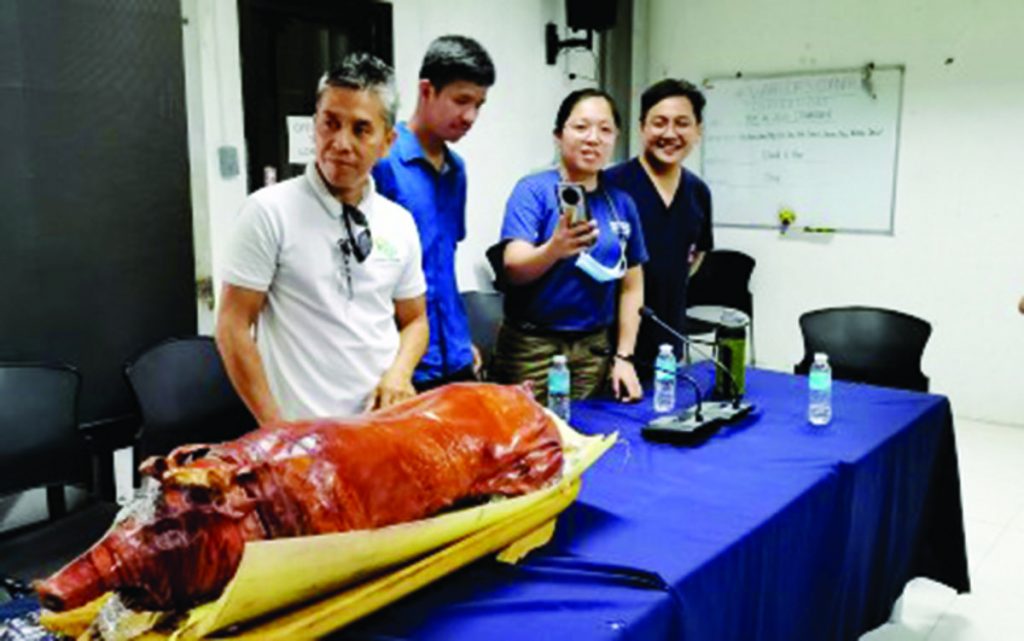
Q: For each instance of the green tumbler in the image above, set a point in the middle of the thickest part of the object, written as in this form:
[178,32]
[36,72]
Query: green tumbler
[731,338]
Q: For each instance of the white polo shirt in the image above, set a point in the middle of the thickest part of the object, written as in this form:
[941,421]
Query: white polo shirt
[324,347]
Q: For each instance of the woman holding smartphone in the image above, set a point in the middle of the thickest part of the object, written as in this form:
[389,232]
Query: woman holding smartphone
[572,253]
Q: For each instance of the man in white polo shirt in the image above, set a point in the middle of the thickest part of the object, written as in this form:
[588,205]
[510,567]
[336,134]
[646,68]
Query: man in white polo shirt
[327,270]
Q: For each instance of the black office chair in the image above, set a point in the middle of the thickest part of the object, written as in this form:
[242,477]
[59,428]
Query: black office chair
[185,396]
[723,281]
[485,313]
[867,345]
[42,447]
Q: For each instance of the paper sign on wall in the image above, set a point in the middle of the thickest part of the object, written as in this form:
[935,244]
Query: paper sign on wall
[301,149]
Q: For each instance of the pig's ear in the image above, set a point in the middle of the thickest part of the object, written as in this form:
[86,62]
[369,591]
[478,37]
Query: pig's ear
[154,467]
[185,454]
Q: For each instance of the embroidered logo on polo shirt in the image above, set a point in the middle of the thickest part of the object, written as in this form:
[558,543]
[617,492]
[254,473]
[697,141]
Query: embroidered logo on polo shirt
[383,248]
[621,229]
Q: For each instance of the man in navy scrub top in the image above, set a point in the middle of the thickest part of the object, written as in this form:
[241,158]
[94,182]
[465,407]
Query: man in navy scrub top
[674,205]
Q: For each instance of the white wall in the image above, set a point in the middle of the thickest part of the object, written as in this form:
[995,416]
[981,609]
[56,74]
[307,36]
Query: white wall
[213,96]
[955,257]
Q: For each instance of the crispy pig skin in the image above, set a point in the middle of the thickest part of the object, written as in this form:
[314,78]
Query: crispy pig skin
[459,443]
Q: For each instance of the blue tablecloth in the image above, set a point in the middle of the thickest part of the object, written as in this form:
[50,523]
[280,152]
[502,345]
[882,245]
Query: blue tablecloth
[772,529]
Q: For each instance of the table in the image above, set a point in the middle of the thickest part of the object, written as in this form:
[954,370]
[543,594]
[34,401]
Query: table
[772,529]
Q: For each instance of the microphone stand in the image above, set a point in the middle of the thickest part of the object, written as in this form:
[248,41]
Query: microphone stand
[648,313]
[703,416]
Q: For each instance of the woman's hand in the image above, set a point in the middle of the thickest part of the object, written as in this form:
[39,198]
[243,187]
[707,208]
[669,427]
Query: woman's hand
[569,240]
[525,262]
[625,384]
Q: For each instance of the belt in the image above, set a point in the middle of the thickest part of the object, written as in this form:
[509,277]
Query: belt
[530,329]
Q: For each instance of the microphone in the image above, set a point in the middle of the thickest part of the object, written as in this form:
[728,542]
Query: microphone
[648,313]
[687,424]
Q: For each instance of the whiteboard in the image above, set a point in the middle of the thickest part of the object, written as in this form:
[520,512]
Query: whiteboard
[822,145]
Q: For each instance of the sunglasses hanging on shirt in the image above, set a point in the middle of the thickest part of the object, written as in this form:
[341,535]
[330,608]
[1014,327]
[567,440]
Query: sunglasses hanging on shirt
[360,240]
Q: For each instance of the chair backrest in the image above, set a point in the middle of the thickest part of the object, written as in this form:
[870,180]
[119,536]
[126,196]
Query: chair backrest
[485,313]
[723,279]
[185,396]
[39,427]
[867,345]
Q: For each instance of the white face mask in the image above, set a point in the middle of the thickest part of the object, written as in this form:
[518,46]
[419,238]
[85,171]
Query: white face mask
[593,268]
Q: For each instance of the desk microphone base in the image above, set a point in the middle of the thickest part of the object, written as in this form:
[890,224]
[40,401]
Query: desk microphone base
[686,425]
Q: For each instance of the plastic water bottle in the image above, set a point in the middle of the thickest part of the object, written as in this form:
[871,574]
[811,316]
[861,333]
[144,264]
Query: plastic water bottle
[819,384]
[558,387]
[665,379]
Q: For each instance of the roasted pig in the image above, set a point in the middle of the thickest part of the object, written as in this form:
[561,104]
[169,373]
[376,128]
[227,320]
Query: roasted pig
[454,445]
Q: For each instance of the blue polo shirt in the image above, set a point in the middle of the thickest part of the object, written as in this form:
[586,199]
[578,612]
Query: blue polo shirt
[565,298]
[437,201]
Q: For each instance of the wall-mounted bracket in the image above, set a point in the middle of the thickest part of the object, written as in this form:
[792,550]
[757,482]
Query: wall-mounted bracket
[554,44]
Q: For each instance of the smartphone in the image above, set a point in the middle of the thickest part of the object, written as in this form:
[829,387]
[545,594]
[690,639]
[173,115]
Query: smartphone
[572,201]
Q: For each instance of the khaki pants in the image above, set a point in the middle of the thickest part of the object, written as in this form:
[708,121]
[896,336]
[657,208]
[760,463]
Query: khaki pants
[520,356]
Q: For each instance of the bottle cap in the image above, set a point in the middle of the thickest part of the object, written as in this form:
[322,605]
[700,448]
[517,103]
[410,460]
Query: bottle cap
[665,348]
[820,358]
[558,359]
[733,318]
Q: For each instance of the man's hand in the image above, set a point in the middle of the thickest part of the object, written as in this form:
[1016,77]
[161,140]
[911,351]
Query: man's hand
[395,384]
[478,361]
[394,387]
[625,384]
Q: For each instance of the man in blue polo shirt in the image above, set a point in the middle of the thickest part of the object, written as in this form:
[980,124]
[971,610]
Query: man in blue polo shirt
[425,176]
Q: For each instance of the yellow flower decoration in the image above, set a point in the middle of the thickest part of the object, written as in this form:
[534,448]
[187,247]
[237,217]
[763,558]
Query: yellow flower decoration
[786,218]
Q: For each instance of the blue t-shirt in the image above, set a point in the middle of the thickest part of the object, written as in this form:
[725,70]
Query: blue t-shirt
[565,298]
[437,201]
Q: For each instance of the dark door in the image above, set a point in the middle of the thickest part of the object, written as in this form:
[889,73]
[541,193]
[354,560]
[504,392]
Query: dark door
[286,46]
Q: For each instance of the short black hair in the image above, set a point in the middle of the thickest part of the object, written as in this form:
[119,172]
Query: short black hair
[453,58]
[574,98]
[669,88]
[364,72]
